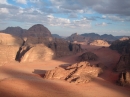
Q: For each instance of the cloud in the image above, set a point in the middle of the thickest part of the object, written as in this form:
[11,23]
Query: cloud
[120,7]
[116,18]
[3,2]
[21,1]
[4,11]
[101,24]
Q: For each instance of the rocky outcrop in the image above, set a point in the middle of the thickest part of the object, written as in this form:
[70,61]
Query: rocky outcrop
[35,53]
[124,38]
[7,39]
[76,73]
[123,64]
[124,79]
[9,45]
[100,43]
[123,47]
[64,48]
[87,56]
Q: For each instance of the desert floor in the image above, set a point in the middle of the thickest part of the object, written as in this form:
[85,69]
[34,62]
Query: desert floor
[25,79]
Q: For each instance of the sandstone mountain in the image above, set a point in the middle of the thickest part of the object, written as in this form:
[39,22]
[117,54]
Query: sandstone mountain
[36,43]
[37,34]
[7,39]
[9,45]
[100,43]
[38,30]
[76,73]
[15,31]
[123,65]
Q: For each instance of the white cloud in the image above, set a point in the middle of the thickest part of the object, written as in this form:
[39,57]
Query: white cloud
[21,1]
[3,2]
[4,10]
[101,24]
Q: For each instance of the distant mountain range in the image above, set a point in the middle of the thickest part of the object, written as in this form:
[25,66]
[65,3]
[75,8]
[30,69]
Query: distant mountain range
[18,31]
[88,37]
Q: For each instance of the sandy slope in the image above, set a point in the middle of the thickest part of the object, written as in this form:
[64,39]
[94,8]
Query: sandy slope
[24,79]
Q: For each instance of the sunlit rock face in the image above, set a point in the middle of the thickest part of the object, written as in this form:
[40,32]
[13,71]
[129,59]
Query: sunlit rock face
[9,45]
[124,38]
[100,43]
[37,52]
[76,73]
[7,39]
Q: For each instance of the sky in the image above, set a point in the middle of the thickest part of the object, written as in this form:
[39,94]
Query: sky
[65,17]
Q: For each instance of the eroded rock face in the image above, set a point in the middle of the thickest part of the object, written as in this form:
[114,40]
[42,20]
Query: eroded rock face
[124,79]
[123,65]
[100,43]
[77,73]
[9,45]
[64,48]
[7,39]
[38,34]
[37,52]
[7,53]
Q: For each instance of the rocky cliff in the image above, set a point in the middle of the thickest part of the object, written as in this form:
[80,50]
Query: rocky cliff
[123,65]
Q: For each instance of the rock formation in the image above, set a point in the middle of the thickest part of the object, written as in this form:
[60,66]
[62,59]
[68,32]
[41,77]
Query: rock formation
[87,56]
[76,73]
[100,43]
[7,39]
[124,38]
[123,65]
[15,31]
[37,43]
[9,45]
[37,52]
[124,79]
[38,34]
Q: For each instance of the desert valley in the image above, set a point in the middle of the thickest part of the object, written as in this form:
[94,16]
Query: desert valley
[36,63]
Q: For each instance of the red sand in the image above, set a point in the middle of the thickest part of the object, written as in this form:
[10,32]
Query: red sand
[24,80]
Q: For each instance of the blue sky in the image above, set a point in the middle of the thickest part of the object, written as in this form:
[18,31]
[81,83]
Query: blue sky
[65,17]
